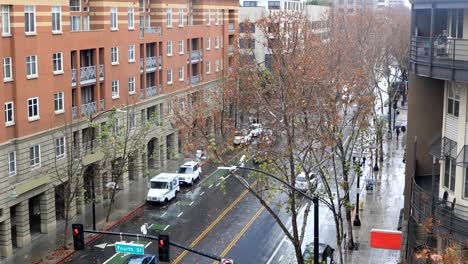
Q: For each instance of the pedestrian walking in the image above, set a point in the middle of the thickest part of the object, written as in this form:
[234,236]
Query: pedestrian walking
[144,229]
[397,133]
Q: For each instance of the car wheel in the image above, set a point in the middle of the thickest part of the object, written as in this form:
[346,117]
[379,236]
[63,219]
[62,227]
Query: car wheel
[166,200]
[191,182]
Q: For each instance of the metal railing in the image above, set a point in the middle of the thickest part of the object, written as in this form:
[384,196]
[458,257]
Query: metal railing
[142,94]
[142,65]
[74,112]
[88,74]
[89,146]
[449,217]
[196,79]
[101,72]
[160,62]
[88,109]
[231,49]
[151,91]
[196,55]
[102,104]
[73,77]
[153,30]
[231,27]
[446,53]
[151,63]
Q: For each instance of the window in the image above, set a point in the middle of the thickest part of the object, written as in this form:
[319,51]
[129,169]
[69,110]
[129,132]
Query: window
[58,103]
[449,175]
[181,17]
[169,76]
[12,163]
[7,69]
[247,43]
[169,48]
[453,99]
[243,27]
[35,156]
[131,18]
[181,47]
[114,19]
[29,20]
[273,4]
[9,114]
[6,20]
[207,19]
[56,19]
[115,89]
[60,147]
[169,17]
[75,23]
[216,43]
[217,17]
[75,5]
[114,55]
[131,53]
[31,66]
[33,108]
[208,67]
[131,85]
[86,23]
[208,43]
[217,66]
[251,3]
[57,61]
[181,73]
[131,122]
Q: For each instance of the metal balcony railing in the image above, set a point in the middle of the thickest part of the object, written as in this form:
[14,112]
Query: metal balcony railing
[153,30]
[196,79]
[151,63]
[87,74]
[449,216]
[102,104]
[160,62]
[73,77]
[90,146]
[142,65]
[101,72]
[74,112]
[151,91]
[88,109]
[231,49]
[440,58]
[196,55]
[142,94]
[231,27]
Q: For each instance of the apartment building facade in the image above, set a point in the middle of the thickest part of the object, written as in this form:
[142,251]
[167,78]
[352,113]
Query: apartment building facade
[66,61]
[436,189]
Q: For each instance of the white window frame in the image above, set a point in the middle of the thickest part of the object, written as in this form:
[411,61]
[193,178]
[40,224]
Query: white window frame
[131,85]
[208,17]
[169,17]
[74,8]
[9,107]
[181,46]
[453,99]
[32,104]
[131,122]
[208,67]
[59,102]
[181,73]
[75,27]
[6,25]
[217,66]
[11,161]
[216,42]
[465,185]
[115,55]
[58,56]
[86,26]
[131,53]
[451,174]
[169,48]
[169,76]
[29,65]
[114,19]
[208,43]
[115,89]
[131,18]
[31,31]
[7,69]
[59,147]
[181,17]
[56,10]
[36,152]
[217,17]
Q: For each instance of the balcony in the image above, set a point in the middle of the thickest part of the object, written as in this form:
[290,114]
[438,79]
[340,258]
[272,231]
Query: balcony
[102,104]
[231,49]
[90,146]
[101,72]
[435,59]
[74,112]
[153,30]
[160,62]
[142,65]
[88,109]
[142,94]
[160,89]
[449,217]
[151,91]
[151,64]
[195,56]
[88,75]
[196,79]
[231,27]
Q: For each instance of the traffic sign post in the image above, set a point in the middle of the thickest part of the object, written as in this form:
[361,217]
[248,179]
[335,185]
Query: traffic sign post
[227,261]
[129,248]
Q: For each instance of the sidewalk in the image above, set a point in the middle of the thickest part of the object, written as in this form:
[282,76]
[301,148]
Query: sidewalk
[127,202]
[381,207]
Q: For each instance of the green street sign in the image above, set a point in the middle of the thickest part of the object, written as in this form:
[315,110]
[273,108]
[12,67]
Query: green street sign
[129,248]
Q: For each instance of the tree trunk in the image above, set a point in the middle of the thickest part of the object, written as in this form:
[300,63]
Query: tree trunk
[338,237]
[347,206]
[65,228]
[298,252]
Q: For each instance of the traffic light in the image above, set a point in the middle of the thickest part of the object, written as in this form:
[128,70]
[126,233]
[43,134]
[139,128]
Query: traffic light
[78,236]
[163,245]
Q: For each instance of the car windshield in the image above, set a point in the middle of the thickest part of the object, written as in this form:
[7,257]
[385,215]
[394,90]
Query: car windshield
[136,261]
[185,170]
[159,185]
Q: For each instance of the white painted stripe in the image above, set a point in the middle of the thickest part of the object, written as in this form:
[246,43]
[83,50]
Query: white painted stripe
[181,213]
[166,227]
[209,187]
[281,258]
[147,244]
[110,258]
[201,194]
[177,203]
[218,184]
[149,227]
[191,203]
[164,214]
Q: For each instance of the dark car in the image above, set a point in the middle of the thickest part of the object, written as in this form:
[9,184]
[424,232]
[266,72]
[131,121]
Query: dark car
[325,253]
[141,259]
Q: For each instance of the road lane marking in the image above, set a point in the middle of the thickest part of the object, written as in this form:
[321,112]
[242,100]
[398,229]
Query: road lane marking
[218,184]
[166,227]
[177,203]
[164,214]
[210,186]
[281,258]
[147,244]
[181,213]
[191,203]
[201,194]
[213,224]
[111,258]
[241,233]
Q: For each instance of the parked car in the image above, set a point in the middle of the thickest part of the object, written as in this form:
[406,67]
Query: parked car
[189,172]
[325,253]
[302,181]
[255,130]
[163,187]
[241,137]
[140,259]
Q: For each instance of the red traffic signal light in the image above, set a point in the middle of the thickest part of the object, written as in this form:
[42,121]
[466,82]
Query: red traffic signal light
[161,243]
[163,247]
[78,236]
[76,232]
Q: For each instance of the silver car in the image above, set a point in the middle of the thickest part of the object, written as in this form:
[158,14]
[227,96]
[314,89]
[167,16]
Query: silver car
[302,181]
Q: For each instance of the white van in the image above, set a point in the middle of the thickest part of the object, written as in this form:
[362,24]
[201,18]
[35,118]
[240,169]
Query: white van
[163,187]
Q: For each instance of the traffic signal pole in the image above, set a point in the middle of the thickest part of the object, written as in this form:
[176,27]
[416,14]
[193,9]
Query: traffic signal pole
[155,238]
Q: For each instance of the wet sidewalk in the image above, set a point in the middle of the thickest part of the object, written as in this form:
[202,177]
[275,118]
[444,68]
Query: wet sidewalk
[43,246]
[381,207]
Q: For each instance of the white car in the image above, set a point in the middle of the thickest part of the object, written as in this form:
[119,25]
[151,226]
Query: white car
[240,138]
[189,172]
[255,130]
[302,181]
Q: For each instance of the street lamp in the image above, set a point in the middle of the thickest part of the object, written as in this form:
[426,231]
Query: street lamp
[314,199]
[93,191]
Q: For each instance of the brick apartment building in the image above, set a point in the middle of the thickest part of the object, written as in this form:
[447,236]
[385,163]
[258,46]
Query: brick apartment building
[67,60]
